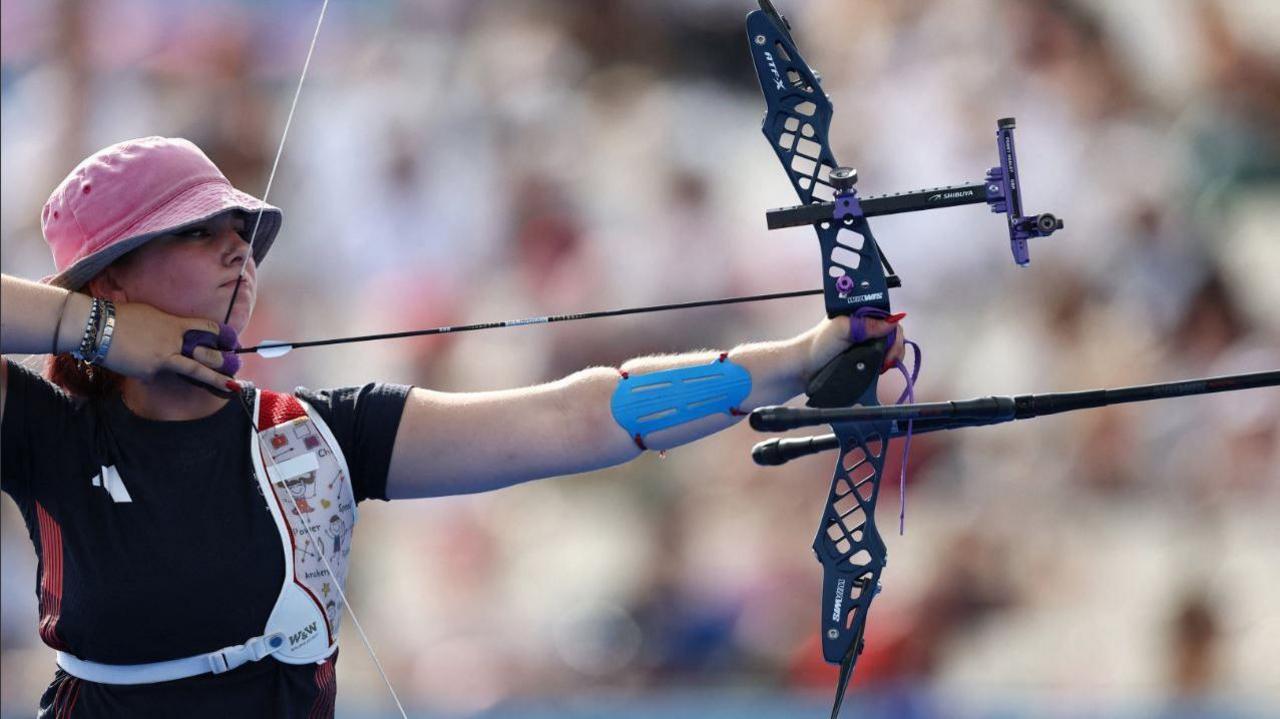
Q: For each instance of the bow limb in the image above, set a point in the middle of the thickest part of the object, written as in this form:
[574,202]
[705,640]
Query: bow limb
[849,545]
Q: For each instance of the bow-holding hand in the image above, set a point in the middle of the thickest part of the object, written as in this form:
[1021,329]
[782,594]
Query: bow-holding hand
[833,336]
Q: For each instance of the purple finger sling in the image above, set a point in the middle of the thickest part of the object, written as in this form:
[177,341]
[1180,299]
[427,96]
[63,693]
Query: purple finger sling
[858,333]
[225,341]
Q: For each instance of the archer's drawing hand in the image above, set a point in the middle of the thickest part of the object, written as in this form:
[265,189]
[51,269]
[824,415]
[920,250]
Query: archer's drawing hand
[148,342]
[833,336]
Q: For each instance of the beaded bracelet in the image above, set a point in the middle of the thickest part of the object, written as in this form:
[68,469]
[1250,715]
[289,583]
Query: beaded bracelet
[105,332]
[90,332]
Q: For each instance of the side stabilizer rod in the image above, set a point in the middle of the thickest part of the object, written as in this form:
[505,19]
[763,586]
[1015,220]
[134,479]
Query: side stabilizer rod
[938,416]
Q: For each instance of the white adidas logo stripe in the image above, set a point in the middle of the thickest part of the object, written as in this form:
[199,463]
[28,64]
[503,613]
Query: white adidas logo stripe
[109,479]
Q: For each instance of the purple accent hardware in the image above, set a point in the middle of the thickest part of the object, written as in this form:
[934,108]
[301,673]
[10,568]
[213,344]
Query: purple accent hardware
[844,285]
[225,341]
[1005,197]
[995,190]
[847,205]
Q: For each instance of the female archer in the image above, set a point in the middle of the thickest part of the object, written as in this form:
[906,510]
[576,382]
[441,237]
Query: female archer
[177,513]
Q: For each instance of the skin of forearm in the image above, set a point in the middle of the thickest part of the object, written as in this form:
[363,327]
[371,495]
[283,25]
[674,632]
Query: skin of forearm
[777,370]
[563,427]
[592,438]
[29,313]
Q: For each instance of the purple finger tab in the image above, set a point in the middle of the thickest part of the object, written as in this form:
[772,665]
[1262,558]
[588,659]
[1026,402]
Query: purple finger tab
[191,339]
[227,338]
[225,341]
[231,364]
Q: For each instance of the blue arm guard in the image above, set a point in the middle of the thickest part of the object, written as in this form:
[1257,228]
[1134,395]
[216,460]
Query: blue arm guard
[658,400]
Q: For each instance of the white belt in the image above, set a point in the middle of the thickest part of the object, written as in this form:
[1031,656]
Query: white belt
[223,660]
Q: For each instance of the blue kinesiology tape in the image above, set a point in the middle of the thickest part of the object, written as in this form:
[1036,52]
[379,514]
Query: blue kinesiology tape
[658,400]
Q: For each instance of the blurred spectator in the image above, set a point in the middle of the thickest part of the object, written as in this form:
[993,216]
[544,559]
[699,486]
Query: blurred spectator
[467,161]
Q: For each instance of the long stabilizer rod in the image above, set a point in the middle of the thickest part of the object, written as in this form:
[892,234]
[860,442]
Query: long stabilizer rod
[936,416]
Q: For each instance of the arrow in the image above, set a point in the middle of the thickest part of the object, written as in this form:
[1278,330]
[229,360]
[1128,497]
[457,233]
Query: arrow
[271,349]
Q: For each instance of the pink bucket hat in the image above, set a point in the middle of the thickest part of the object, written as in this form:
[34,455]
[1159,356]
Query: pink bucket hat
[126,195]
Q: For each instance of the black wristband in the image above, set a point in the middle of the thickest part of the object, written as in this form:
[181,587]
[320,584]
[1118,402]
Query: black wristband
[57,328]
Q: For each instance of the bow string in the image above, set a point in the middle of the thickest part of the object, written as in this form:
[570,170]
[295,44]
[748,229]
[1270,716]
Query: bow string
[247,406]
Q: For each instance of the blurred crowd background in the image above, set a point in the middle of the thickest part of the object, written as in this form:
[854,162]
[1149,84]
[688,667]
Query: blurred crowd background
[467,160]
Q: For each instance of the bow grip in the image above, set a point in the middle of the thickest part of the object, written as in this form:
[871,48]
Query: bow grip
[849,376]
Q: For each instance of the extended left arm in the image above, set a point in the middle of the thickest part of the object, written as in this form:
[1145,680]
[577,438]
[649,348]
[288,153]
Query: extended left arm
[459,443]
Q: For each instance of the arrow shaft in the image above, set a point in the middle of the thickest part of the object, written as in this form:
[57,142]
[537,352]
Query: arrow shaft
[550,319]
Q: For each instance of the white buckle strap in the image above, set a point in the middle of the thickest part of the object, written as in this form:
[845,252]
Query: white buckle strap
[223,660]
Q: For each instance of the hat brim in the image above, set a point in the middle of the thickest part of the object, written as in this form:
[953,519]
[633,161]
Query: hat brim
[198,204]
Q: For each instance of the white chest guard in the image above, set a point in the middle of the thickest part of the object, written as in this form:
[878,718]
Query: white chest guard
[305,478]
[307,486]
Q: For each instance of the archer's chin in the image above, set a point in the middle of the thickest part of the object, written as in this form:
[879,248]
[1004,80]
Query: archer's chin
[240,316]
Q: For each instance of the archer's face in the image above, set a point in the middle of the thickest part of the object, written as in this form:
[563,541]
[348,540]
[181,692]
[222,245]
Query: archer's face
[192,273]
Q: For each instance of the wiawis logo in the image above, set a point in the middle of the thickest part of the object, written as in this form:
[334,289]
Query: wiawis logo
[773,66]
[835,611]
[303,635]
